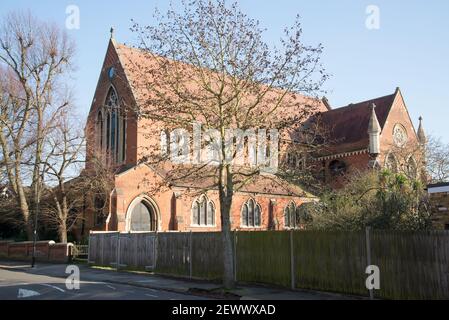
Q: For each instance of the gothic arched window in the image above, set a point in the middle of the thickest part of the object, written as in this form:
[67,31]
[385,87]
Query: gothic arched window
[412,169]
[337,168]
[391,163]
[203,212]
[291,216]
[100,128]
[251,214]
[99,206]
[115,127]
[142,218]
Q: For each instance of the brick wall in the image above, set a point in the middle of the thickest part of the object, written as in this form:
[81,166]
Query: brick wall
[46,251]
[120,84]
[440,210]
[174,206]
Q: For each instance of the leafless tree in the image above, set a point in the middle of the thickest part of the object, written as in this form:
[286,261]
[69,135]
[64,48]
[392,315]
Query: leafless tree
[35,59]
[437,160]
[69,185]
[210,65]
[62,164]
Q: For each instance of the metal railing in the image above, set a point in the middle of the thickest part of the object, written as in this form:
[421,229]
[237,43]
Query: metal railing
[80,252]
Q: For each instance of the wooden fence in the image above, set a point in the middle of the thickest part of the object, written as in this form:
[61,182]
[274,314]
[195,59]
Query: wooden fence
[412,265]
[123,250]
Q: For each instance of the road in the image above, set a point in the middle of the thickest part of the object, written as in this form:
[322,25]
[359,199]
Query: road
[23,284]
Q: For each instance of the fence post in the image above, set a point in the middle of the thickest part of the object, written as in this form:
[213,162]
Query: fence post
[118,252]
[190,255]
[88,248]
[155,244]
[292,262]
[136,249]
[102,249]
[235,255]
[368,255]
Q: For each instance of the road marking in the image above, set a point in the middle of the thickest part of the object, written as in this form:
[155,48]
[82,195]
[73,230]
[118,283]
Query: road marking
[51,286]
[27,293]
[151,295]
[14,285]
[110,287]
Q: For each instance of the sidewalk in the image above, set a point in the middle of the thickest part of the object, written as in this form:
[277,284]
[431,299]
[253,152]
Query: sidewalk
[177,285]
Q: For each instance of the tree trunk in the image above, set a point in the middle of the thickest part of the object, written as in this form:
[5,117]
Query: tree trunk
[63,214]
[226,193]
[62,232]
[23,204]
[228,255]
[29,230]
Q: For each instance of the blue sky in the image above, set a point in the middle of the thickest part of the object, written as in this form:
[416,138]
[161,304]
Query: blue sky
[410,50]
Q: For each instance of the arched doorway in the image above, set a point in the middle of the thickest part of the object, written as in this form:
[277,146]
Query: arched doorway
[142,216]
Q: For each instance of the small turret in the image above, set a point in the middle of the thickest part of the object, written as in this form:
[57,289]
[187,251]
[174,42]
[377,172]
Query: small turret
[374,131]
[421,134]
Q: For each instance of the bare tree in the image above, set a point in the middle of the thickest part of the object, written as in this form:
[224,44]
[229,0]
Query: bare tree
[35,58]
[69,185]
[62,165]
[437,160]
[210,65]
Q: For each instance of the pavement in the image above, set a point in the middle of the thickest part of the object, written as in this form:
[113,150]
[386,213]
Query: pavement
[48,281]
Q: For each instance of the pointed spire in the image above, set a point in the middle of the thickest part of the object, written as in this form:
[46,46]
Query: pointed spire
[374,132]
[326,103]
[421,134]
[112,33]
[373,126]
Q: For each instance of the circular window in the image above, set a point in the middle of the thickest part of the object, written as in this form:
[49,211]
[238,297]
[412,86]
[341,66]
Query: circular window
[400,137]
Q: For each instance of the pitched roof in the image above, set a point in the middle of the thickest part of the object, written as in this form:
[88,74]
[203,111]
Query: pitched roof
[134,62]
[137,64]
[348,126]
[206,178]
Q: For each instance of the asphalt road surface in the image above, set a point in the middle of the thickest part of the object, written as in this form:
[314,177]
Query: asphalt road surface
[22,285]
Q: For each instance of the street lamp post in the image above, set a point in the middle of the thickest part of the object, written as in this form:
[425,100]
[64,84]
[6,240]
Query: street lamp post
[33,258]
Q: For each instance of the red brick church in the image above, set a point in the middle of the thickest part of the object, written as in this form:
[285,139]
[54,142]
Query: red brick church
[363,135]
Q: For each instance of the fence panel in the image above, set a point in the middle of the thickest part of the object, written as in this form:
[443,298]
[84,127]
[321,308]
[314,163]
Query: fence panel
[109,257]
[330,261]
[126,255]
[95,249]
[145,249]
[101,248]
[413,265]
[173,253]
[207,255]
[92,249]
[264,257]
